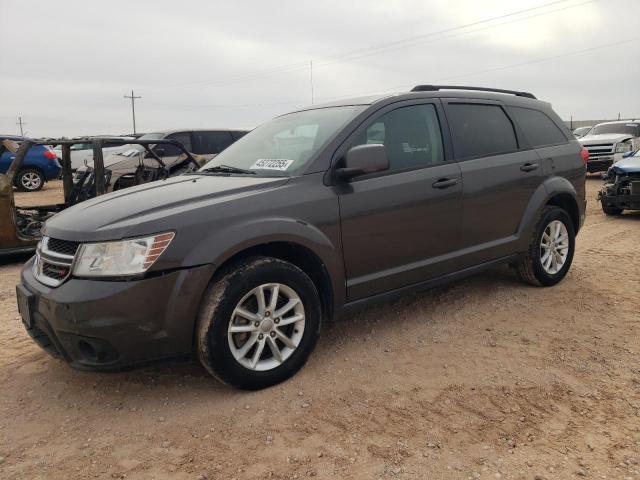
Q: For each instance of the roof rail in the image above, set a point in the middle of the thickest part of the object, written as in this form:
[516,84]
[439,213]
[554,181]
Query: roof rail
[434,88]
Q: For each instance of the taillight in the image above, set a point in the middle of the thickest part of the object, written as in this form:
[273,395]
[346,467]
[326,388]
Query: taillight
[50,154]
[584,153]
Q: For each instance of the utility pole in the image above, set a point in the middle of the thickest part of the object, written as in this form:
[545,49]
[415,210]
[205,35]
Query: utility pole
[311,74]
[133,108]
[21,123]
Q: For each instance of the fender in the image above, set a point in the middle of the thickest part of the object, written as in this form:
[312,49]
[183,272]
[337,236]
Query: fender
[546,190]
[219,246]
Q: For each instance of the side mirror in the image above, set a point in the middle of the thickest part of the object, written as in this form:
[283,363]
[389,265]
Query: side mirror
[363,159]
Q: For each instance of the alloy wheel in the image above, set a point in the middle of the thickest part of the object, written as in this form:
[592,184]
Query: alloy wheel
[554,247]
[30,181]
[266,326]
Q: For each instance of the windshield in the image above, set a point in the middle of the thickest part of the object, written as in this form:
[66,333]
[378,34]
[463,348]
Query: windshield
[284,145]
[622,128]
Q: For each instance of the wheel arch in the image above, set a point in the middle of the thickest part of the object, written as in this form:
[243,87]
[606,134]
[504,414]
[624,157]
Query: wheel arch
[569,204]
[556,191]
[295,253]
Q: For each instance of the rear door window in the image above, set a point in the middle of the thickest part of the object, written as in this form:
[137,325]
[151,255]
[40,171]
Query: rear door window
[206,143]
[537,127]
[479,130]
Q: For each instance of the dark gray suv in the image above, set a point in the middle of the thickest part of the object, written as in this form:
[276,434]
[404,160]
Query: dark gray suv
[314,212]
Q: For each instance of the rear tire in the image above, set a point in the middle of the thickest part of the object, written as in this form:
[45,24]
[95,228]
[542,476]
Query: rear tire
[29,180]
[614,211]
[551,250]
[251,343]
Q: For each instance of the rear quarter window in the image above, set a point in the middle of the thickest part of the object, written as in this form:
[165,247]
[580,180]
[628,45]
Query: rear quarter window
[480,130]
[537,127]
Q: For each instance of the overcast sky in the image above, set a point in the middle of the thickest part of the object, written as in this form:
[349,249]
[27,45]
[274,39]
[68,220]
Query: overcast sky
[66,65]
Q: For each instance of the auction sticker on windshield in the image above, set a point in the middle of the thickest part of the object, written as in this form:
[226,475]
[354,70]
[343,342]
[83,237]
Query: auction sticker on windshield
[272,164]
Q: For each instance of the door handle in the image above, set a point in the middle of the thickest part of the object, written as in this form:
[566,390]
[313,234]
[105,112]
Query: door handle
[445,183]
[529,167]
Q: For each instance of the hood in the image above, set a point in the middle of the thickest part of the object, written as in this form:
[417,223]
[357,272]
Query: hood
[123,153]
[604,138]
[627,165]
[153,207]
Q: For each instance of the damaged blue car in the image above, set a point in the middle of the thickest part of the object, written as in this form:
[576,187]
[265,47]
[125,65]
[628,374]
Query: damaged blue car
[621,190]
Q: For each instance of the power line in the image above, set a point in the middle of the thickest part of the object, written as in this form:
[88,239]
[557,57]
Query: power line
[311,79]
[417,40]
[359,53]
[21,123]
[133,108]
[388,90]
[539,60]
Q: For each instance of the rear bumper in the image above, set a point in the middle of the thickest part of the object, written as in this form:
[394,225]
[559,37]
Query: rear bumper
[107,325]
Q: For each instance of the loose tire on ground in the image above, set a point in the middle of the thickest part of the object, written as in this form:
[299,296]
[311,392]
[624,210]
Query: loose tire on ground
[530,267]
[216,343]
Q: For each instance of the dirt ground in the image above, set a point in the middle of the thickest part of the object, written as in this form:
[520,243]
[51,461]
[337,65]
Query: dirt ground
[50,194]
[484,378]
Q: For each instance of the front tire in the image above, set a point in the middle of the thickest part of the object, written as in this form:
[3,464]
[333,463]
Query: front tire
[551,250]
[258,323]
[29,180]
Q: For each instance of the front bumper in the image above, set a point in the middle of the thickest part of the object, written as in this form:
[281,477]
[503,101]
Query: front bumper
[107,325]
[599,164]
[625,202]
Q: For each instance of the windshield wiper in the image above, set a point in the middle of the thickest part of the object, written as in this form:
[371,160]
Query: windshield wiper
[227,169]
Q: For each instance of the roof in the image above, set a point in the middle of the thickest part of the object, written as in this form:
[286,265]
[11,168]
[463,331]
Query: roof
[459,92]
[614,122]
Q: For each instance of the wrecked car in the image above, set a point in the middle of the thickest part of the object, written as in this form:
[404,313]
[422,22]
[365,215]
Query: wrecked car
[21,227]
[129,164]
[621,190]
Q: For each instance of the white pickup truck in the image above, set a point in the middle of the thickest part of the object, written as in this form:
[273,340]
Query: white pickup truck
[607,142]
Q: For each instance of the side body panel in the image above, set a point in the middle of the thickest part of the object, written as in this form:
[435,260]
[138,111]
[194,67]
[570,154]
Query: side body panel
[395,228]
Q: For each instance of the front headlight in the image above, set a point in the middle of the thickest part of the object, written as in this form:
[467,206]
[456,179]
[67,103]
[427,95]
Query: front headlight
[124,257]
[623,147]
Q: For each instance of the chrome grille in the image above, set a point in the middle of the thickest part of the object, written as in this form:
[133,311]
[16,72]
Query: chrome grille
[64,247]
[54,260]
[600,150]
